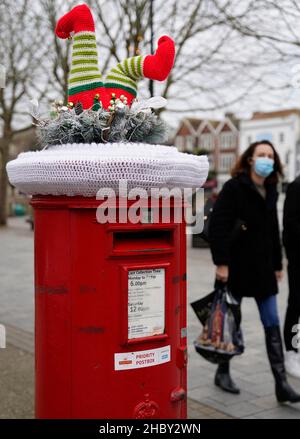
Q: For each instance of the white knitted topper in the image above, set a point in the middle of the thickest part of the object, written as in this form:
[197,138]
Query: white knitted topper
[83,169]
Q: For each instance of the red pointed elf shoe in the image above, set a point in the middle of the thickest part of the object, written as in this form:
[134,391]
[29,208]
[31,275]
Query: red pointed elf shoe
[122,79]
[159,65]
[78,19]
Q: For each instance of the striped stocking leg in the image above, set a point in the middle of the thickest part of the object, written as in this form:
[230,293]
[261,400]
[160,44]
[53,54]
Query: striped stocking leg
[123,78]
[85,79]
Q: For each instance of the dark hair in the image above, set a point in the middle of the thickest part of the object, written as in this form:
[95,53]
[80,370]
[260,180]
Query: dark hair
[243,164]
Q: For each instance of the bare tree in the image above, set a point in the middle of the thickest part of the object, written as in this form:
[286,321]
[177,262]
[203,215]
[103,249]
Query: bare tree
[268,33]
[228,51]
[208,48]
[59,50]
[21,53]
[123,30]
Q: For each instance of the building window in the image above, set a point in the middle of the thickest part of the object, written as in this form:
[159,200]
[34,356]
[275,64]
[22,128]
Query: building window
[190,143]
[207,141]
[227,140]
[179,143]
[281,137]
[287,157]
[226,162]
[211,162]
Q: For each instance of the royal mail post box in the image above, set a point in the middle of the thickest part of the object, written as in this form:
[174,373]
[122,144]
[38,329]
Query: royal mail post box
[110,316]
[110,297]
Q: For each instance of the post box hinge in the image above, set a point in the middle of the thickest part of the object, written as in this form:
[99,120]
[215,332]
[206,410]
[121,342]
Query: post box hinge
[182,357]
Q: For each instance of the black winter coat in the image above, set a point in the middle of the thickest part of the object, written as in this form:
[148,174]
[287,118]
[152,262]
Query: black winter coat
[291,222]
[253,252]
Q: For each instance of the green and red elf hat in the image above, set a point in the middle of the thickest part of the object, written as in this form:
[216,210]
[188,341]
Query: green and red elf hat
[85,82]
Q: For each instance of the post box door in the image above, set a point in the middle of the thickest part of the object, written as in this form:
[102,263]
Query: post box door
[120,353]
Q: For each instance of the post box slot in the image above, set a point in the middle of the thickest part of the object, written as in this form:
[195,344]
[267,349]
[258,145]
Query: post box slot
[143,241]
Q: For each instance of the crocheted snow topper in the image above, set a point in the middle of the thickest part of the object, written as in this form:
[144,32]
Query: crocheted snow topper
[104,135]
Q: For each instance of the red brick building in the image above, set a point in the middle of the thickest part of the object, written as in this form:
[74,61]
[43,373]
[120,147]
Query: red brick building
[219,139]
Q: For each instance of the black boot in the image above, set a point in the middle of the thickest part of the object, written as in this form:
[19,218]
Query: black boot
[284,392]
[223,379]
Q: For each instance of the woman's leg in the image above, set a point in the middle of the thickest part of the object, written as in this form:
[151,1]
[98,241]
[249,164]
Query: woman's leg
[268,311]
[292,358]
[223,378]
[269,317]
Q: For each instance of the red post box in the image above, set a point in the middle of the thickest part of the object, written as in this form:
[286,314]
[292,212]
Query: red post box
[110,310]
[110,317]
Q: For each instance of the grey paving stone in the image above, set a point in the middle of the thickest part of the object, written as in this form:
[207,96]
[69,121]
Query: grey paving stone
[250,417]
[251,371]
[281,412]
[295,383]
[201,392]
[265,402]
[239,410]
[257,378]
[197,380]
[228,399]
[262,389]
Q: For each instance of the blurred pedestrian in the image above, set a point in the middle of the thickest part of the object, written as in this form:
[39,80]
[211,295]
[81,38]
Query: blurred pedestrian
[291,241]
[246,249]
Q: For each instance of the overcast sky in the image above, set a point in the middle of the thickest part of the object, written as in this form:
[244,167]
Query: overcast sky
[255,72]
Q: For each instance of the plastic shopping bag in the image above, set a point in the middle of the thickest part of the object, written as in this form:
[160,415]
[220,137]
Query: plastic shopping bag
[220,314]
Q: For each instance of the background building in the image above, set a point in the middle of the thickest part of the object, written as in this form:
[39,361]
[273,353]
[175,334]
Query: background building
[219,139]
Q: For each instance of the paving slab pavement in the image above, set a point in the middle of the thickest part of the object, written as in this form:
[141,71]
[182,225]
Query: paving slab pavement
[17,381]
[250,371]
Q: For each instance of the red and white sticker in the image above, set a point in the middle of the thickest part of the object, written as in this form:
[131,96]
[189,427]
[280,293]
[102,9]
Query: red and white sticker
[135,360]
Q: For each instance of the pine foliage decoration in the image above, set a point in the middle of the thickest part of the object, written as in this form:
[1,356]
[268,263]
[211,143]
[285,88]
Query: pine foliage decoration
[123,124]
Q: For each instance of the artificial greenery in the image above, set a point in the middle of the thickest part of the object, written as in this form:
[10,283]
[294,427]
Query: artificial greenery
[123,124]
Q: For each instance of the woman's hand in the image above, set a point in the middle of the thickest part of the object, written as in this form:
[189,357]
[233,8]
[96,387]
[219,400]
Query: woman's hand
[279,275]
[222,273]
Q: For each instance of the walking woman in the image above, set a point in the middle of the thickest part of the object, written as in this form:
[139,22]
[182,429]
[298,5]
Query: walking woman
[291,241]
[246,249]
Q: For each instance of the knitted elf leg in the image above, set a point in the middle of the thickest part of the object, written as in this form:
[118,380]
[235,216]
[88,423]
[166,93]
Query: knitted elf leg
[123,78]
[84,80]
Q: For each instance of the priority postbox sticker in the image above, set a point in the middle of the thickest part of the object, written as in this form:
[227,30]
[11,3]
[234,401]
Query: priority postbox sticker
[138,359]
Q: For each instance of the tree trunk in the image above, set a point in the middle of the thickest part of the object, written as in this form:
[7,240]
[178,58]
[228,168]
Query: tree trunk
[4,144]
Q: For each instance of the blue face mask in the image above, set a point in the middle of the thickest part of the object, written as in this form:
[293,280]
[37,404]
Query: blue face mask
[264,166]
